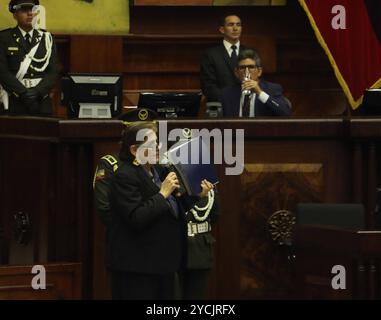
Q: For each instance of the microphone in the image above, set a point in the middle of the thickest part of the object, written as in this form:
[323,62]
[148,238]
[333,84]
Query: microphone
[166,163]
[247,77]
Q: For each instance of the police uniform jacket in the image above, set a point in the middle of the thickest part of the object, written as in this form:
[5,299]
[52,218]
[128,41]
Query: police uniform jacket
[13,49]
[145,236]
[102,179]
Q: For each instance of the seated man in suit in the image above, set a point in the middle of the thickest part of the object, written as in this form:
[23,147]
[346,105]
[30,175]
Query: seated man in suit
[253,97]
[218,63]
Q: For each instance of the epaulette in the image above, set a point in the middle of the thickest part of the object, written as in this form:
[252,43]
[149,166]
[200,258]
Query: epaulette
[112,161]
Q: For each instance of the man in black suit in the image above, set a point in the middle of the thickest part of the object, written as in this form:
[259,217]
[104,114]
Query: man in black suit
[147,231]
[219,63]
[27,82]
[252,96]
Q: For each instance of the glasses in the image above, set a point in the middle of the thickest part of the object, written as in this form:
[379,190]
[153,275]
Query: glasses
[250,66]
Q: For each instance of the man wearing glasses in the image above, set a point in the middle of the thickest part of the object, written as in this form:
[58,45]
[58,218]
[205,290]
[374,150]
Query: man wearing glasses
[253,97]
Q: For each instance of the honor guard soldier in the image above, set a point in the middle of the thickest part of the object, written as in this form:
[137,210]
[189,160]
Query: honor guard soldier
[28,63]
[194,277]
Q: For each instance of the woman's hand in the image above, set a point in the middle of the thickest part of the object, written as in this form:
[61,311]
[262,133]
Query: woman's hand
[206,187]
[170,184]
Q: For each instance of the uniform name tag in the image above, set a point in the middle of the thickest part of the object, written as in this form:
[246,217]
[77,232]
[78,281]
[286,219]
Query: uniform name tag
[13,49]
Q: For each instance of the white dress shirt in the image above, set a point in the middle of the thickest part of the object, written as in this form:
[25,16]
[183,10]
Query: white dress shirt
[263,97]
[228,47]
[23,32]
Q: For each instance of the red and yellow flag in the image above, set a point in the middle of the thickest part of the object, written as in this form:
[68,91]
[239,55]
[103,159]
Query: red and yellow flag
[349,32]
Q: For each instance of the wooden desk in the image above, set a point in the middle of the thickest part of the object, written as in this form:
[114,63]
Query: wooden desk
[63,282]
[319,249]
[47,166]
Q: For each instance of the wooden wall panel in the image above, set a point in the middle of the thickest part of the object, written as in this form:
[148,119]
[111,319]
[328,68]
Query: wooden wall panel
[234,232]
[172,53]
[183,53]
[318,248]
[63,282]
[267,189]
[96,54]
[278,154]
[17,197]
[164,50]
[35,185]
[256,20]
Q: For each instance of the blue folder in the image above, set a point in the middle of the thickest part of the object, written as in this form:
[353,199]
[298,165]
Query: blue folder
[191,174]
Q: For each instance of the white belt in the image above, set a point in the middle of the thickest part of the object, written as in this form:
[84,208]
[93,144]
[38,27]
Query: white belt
[196,228]
[30,83]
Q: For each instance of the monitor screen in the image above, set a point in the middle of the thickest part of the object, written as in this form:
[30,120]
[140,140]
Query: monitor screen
[371,105]
[171,104]
[93,95]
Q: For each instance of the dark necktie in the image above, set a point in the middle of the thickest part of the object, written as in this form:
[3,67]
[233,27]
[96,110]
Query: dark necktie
[234,57]
[28,42]
[246,106]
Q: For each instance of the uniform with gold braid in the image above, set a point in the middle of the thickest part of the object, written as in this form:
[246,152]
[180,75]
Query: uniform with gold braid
[24,89]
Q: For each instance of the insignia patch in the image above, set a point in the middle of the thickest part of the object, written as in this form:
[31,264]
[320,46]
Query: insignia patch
[143,114]
[100,175]
[187,133]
